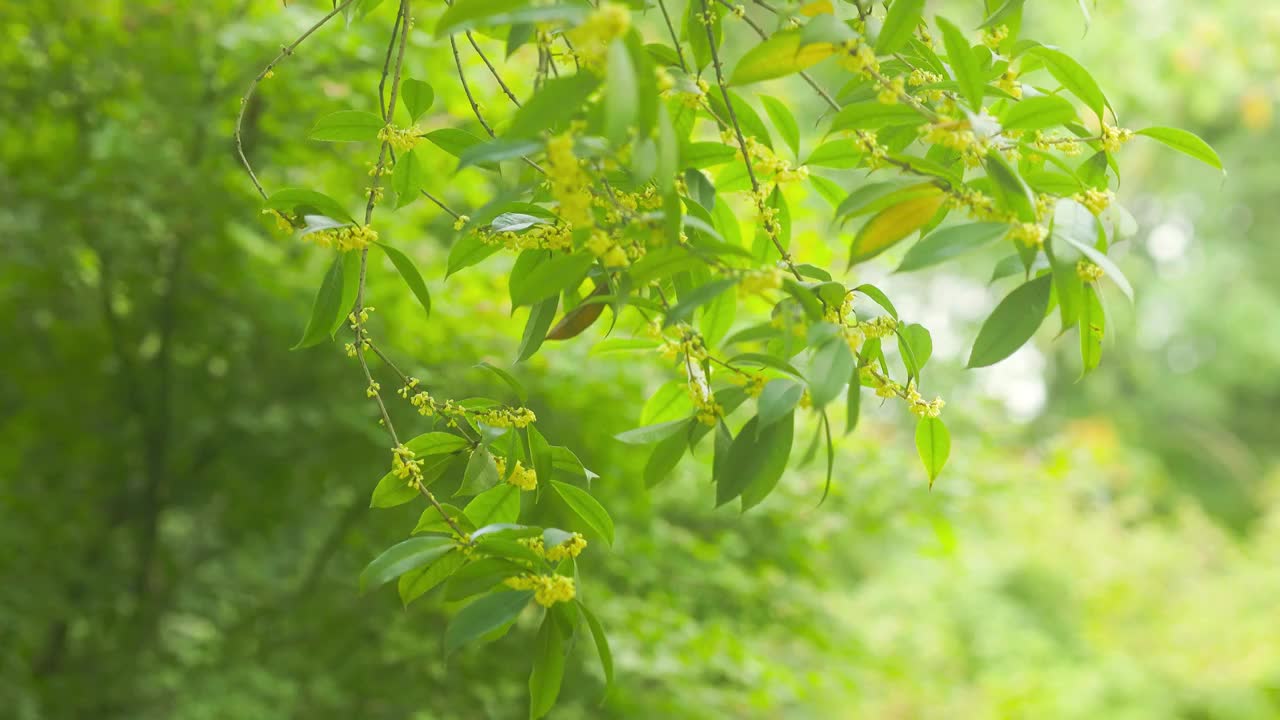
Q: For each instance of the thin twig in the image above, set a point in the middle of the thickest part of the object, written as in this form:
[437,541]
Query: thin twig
[742,142]
[492,70]
[675,40]
[285,52]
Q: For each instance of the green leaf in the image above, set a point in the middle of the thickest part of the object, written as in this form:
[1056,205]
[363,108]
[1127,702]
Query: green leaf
[778,399]
[481,473]
[1073,77]
[1012,192]
[877,295]
[553,106]
[1036,113]
[498,504]
[548,277]
[300,201]
[899,24]
[466,15]
[548,668]
[892,225]
[853,403]
[949,243]
[409,177]
[620,98]
[694,299]
[587,509]
[350,288]
[717,318]
[933,442]
[410,274]
[780,55]
[964,64]
[829,370]
[1093,326]
[496,151]
[1184,142]
[920,341]
[403,557]
[415,583]
[392,491]
[431,521]
[783,121]
[666,455]
[467,251]
[347,126]
[417,97]
[452,140]
[1012,323]
[602,645]
[507,378]
[755,462]
[483,617]
[326,310]
[541,316]
[1002,12]
[1109,267]
[436,443]
[873,115]
[839,154]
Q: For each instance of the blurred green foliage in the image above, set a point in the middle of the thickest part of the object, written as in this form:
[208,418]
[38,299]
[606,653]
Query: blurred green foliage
[183,500]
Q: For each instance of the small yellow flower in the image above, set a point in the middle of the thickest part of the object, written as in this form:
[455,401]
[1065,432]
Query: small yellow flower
[1088,272]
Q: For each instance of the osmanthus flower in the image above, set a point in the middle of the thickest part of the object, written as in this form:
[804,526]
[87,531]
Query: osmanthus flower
[547,589]
[1097,201]
[522,477]
[1089,272]
[344,239]
[571,547]
[591,39]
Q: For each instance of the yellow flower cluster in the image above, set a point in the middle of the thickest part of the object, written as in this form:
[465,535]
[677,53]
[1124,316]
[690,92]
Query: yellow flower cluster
[461,222]
[570,548]
[283,224]
[611,254]
[570,185]
[837,313]
[891,91]
[957,136]
[591,39]
[543,236]
[1096,200]
[763,160]
[920,77]
[978,205]
[876,153]
[690,344]
[401,139]
[618,203]
[1114,137]
[519,417]
[1029,234]
[1088,272]
[921,407]
[752,383]
[880,327]
[859,58]
[1008,82]
[522,477]
[708,410]
[759,282]
[351,237]
[853,336]
[406,466]
[992,37]
[1064,145]
[547,589]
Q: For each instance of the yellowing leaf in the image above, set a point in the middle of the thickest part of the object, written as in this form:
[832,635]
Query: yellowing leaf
[818,7]
[893,224]
[779,56]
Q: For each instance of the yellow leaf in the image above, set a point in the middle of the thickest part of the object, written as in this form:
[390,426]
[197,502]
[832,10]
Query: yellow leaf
[893,224]
[819,7]
[778,56]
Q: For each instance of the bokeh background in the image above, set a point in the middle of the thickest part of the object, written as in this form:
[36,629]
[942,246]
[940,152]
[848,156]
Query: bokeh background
[183,500]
